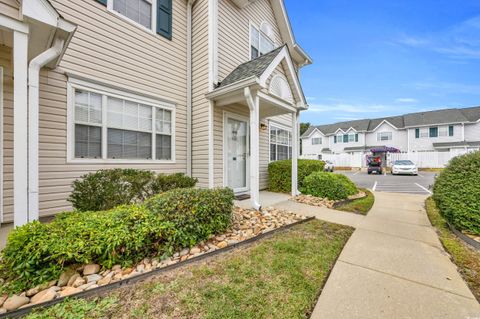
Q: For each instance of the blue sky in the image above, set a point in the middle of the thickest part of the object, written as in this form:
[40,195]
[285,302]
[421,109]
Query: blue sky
[376,58]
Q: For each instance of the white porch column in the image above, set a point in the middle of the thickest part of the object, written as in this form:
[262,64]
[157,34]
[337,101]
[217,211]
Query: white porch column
[254,106]
[295,148]
[20,124]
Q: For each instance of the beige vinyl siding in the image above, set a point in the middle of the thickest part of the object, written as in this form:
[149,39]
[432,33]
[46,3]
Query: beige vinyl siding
[10,9]
[6,64]
[234,32]
[113,52]
[200,67]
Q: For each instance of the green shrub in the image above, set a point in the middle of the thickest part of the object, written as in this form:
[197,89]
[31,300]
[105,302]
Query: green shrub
[328,185]
[195,213]
[457,192]
[106,189]
[36,253]
[280,174]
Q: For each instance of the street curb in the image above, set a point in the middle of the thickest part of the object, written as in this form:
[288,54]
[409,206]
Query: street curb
[125,282]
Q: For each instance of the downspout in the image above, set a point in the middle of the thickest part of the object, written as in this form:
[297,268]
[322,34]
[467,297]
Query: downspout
[33,115]
[189,86]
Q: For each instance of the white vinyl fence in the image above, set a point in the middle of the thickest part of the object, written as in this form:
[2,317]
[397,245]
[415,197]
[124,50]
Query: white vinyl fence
[429,159]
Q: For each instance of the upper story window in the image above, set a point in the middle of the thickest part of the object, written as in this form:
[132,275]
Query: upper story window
[140,11]
[384,136]
[316,140]
[114,127]
[154,15]
[280,144]
[261,40]
[435,131]
[346,138]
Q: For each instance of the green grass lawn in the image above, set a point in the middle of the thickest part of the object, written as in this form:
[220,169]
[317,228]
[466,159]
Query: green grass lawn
[466,258]
[359,206]
[278,277]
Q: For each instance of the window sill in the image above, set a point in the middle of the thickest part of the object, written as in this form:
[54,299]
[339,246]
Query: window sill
[118,161]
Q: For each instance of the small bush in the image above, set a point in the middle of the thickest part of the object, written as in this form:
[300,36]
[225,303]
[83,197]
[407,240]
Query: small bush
[328,185]
[106,189]
[457,192]
[195,213]
[36,253]
[280,174]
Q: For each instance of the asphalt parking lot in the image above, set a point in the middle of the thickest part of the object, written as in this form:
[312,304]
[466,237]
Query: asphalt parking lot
[420,184]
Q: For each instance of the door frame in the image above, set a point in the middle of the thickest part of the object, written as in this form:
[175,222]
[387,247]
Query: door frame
[226,116]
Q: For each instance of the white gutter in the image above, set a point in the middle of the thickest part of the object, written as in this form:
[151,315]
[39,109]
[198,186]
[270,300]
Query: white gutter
[33,115]
[189,86]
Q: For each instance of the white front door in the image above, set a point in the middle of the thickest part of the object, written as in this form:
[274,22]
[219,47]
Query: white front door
[237,161]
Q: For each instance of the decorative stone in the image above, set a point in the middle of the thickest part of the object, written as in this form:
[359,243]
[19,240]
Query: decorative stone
[195,250]
[65,277]
[72,279]
[2,311]
[222,244]
[2,299]
[68,291]
[92,278]
[127,271]
[116,268]
[78,282]
[91,269]
[44,296]
[15,302]
[85,286]
[141,268]
[104,281]
[32,292]
[92,287]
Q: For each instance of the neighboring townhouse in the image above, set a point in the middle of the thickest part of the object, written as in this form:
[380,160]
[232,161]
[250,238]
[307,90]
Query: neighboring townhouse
[209,88]
[442,130]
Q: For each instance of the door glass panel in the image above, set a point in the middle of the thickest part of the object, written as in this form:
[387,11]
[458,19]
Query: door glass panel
[237,154]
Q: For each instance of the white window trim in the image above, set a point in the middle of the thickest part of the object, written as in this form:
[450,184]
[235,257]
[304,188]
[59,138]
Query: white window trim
[105,90]
[278,126]
[253,25]
[153,28]
[318,138]
[379,136]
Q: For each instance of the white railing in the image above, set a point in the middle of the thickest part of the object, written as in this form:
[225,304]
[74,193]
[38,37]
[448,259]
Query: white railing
[428,159]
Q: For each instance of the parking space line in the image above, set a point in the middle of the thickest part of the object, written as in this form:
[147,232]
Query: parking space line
[425,189]
[421,175]
[374,186]
[356,173]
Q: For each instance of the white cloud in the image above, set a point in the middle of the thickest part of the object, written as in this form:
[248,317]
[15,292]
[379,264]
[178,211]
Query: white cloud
[406,100]
[348,108]
[449,87]
[461,41]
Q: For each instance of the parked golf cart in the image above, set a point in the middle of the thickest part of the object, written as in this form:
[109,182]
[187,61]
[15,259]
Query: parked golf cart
[374,164]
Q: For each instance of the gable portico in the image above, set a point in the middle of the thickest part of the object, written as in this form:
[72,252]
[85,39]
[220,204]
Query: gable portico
[258,91]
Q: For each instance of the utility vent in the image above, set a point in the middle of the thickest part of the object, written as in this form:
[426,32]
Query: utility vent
[279,87]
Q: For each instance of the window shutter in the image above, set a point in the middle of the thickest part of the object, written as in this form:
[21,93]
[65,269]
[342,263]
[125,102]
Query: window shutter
[417,133]
[356,137]
[335,139]
[104,2]
[164,18]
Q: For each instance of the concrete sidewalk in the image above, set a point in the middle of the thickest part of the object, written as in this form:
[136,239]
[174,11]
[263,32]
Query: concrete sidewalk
[394,266]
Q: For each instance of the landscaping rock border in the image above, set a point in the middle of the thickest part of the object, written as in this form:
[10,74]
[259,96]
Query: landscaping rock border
[325,202]
[78,286]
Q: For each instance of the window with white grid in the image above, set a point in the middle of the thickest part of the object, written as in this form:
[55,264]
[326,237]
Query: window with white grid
[110,127]
[280,144]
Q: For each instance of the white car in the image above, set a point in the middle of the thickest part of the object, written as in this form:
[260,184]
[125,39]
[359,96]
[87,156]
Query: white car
[328,166]
[404,167]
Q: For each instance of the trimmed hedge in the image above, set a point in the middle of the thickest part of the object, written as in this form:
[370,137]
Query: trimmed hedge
[280,174]
[328,185]
[195,213]
[36,253]
[106,189]
[457,192]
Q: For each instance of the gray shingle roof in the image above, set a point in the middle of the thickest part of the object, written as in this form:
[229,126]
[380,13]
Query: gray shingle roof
[446,116]
[255,67]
